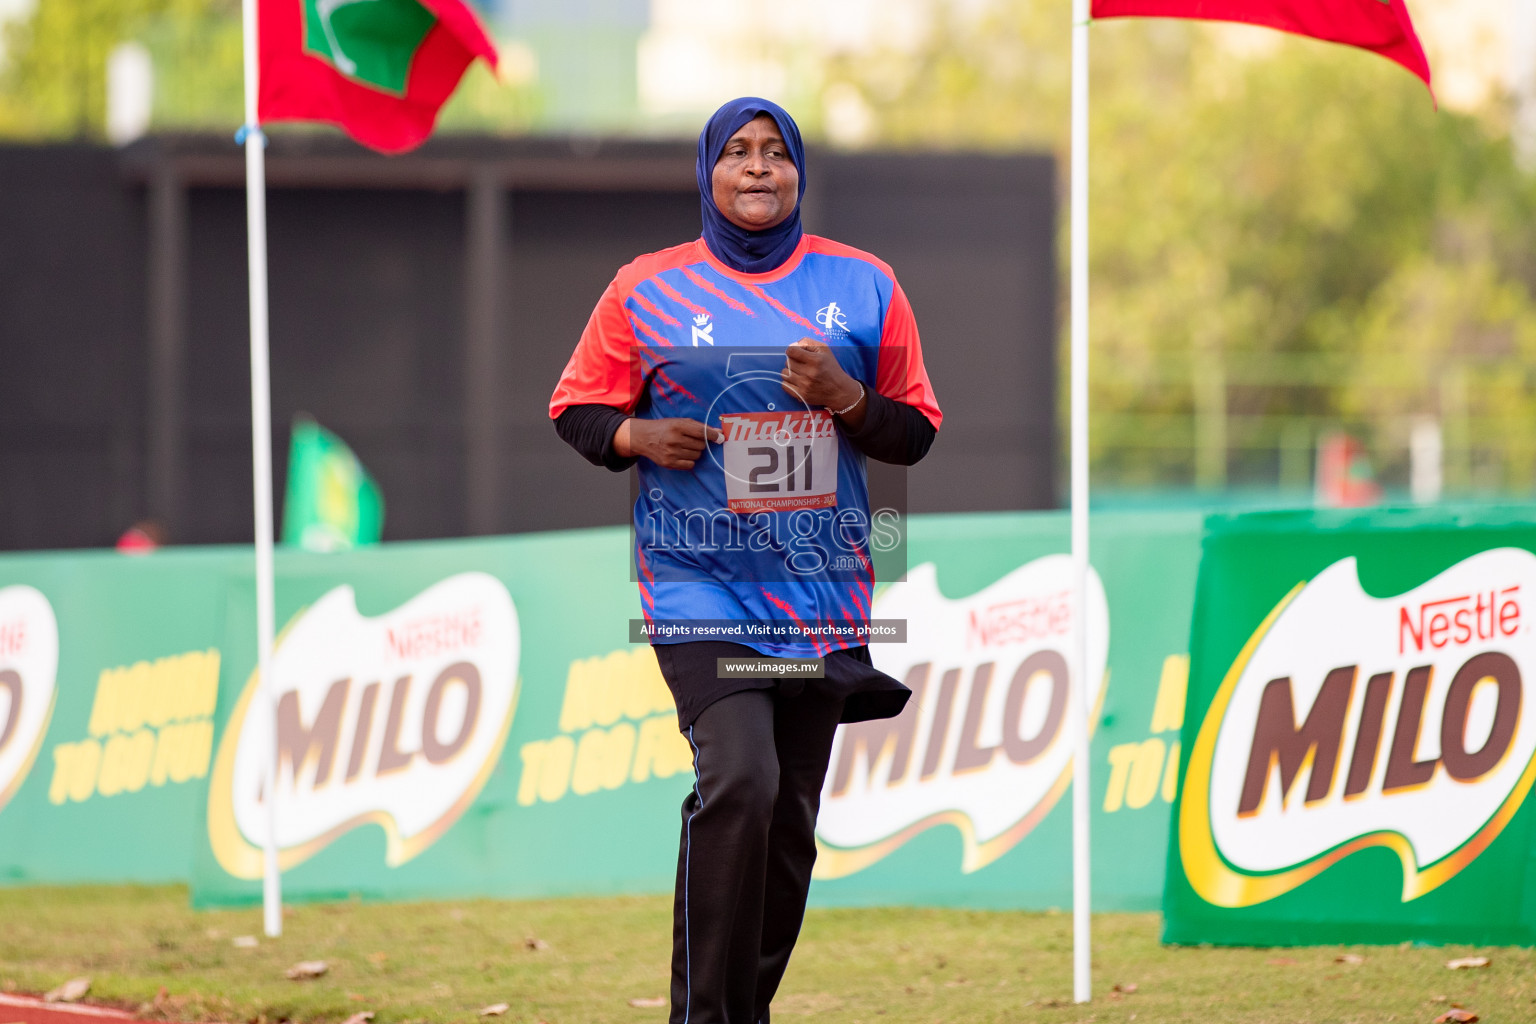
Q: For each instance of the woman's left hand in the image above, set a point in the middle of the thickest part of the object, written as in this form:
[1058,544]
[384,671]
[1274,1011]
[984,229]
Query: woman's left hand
[812,374]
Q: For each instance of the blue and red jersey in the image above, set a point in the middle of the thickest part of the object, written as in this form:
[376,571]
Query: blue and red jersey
[773,525]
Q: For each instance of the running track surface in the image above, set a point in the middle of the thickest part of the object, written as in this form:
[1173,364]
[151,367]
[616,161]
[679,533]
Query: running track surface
[24,1010]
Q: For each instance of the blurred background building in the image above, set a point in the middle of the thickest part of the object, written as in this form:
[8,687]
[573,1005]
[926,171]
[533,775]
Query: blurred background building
[1300,267]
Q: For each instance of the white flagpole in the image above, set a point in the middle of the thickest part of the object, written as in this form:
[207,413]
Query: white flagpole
[1082,705]
[261,448]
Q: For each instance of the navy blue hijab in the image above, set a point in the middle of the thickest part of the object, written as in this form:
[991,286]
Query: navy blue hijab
[751,252]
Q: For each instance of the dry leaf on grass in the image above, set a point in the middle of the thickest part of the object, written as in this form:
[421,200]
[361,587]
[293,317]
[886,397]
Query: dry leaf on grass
[1349,958]
[1457,1016]
[72,991]
[494,1010]
[164,1006]
[1465,962]
[307,969]
[1281,961]
[809,1004]
[534,944]
[245,942]
[1129,988]
[648,1002]
[359,1018]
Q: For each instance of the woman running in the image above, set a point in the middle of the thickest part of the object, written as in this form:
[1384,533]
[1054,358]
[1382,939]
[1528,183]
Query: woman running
[749,374]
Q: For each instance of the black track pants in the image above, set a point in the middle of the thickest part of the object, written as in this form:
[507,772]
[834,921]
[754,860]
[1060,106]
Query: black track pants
[748,845]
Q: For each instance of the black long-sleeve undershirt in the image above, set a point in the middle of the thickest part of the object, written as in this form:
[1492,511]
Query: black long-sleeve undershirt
[892,432]
[589,429]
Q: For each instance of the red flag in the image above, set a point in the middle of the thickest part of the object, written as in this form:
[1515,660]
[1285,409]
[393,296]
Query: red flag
[379,69]
[1381,26]
[1344,477]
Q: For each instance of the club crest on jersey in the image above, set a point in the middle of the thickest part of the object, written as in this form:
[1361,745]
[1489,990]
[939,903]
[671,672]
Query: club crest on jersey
[831,319]
[703,330]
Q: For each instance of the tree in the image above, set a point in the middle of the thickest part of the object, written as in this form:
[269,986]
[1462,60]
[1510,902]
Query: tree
[54,79]
[1276,223]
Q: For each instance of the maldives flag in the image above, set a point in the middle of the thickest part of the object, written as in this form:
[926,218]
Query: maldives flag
[379,69]
[1381,26]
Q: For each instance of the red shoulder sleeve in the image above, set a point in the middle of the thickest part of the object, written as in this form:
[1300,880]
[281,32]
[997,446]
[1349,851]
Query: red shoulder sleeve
[901,374]
[605,368]
[602,370]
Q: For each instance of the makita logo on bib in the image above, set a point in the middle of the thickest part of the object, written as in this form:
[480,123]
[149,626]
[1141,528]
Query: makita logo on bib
[1352,721]
[778,427]
[394,720]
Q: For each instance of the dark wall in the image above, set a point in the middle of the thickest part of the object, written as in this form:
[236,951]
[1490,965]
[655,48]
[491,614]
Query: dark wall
[72,384]
[972,240]
[372,299]
[366,336]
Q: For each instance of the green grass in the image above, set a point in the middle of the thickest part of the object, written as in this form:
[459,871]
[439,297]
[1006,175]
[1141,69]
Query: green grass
[443,961]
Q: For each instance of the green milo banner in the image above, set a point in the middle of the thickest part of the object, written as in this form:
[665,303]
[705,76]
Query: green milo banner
[965,798]
[452,719]
[110,671]
[1360,745]
[468,718]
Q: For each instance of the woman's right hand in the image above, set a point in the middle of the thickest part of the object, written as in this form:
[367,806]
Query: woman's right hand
[671,444]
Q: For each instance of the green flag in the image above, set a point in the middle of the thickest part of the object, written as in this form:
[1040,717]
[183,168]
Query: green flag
[332,503]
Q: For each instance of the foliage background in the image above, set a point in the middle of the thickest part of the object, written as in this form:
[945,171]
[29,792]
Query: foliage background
[1287,238]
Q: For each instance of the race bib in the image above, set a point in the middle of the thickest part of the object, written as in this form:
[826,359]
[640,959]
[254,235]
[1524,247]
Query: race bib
[780,460]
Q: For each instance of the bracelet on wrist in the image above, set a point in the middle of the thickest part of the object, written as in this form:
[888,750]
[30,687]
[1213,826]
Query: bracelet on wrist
[854,405]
